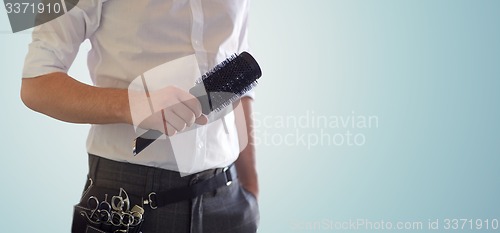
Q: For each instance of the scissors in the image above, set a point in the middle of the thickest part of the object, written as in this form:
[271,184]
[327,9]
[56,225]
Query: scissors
[121,203]
[100,211]
[116,213]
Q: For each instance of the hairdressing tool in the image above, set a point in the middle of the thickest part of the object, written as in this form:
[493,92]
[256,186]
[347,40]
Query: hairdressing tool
[121,202]
[114,213]
[215,90]
[101,211]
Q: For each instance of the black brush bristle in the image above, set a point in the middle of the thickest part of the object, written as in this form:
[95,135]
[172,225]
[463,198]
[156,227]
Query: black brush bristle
[227,82]
[216,68]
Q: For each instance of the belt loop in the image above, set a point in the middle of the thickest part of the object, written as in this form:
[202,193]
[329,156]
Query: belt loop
[93,164]
[150,177]
[194,178]
[156,185]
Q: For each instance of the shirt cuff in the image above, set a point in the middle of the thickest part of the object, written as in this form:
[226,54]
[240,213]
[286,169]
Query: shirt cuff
[41,61]
[250,94]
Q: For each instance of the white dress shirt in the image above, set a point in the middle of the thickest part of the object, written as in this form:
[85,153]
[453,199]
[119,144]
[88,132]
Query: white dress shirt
[130,37]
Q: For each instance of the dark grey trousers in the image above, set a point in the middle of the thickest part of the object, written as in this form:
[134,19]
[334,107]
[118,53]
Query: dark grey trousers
[227,209]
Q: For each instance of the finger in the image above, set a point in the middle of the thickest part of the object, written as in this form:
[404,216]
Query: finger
[185,114]
[201,120]
[154,121]
[174,120]
[191,102]
[164,123]
[170,129]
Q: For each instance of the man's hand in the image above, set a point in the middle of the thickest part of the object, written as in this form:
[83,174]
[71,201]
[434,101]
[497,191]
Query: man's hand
[169,110]
[245,165]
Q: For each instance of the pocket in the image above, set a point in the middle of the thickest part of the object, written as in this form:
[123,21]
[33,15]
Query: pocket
[252,209]
[249,194]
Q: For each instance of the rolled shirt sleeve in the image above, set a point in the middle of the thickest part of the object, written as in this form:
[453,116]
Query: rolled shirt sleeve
[55,44]
[250,94]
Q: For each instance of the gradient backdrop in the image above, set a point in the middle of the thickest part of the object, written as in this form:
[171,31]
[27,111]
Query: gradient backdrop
[426,73]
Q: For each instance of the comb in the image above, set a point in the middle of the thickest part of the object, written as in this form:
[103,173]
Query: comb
[216,89]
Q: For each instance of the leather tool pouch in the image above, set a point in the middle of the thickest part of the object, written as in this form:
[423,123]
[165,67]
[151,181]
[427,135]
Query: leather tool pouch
[103,210]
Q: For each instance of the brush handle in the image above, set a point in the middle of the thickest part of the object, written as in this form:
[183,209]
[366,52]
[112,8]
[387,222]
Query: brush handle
[145,140]
[203,97]
[150,136]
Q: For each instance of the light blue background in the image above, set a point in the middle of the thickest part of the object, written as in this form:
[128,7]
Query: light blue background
[429,70]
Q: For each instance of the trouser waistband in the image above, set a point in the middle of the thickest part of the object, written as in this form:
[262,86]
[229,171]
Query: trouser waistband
[114,174]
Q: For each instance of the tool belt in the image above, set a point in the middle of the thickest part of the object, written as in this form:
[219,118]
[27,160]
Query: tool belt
[107,210]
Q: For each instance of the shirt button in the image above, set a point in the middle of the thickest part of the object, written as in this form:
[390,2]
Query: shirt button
[200,145]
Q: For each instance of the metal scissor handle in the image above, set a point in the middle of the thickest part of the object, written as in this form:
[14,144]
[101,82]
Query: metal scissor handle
[105,205]
[121,202]
[93,205]
[116,213]
[116,218]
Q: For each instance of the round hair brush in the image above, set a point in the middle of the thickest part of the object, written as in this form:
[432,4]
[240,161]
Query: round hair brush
[216,89]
